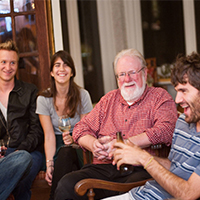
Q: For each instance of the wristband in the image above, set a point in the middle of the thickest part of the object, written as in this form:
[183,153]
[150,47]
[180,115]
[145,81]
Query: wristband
[149,162]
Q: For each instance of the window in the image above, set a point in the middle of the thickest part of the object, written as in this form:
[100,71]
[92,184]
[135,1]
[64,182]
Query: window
[197,17]
[90,49]
[163,30]
[25,21]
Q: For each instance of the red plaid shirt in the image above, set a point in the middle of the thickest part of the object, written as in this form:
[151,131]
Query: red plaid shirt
[154,113]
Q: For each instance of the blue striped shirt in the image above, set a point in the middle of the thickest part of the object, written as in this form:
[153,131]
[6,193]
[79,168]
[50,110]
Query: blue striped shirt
[184,156]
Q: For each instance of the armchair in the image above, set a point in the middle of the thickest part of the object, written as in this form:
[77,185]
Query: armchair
[89,184]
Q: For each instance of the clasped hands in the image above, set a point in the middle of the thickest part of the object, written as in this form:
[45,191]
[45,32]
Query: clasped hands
[107,149]
[102,147]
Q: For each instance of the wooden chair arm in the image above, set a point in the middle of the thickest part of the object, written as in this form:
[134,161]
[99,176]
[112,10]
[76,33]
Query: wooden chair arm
[89,184]
[82,186]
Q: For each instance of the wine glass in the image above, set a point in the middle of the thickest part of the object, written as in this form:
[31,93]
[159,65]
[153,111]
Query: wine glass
[2,147]
[64,123]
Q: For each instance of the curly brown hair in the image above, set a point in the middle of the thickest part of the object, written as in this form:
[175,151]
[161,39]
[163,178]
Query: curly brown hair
[186,70]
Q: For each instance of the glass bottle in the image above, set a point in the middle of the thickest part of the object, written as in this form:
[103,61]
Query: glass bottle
[124,168]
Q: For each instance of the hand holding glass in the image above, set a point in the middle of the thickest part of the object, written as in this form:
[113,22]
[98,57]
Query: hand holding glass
[65,125]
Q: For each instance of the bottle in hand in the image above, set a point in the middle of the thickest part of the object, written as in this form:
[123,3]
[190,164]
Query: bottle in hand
[2,148]
[124,168]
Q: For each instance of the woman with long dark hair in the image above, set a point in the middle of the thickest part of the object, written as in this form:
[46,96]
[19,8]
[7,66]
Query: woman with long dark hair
[64,97]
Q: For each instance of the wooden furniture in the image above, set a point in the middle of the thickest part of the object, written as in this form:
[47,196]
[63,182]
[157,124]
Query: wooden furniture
[40,188]
[31,29]
[89,184]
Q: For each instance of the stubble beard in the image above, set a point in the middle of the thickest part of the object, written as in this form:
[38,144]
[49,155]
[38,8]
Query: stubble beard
[194,117]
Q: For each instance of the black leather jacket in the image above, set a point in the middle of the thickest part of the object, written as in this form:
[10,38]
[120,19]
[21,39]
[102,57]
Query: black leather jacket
[22,129]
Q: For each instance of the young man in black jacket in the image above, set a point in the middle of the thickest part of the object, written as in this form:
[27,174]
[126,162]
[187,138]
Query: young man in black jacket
[19,124]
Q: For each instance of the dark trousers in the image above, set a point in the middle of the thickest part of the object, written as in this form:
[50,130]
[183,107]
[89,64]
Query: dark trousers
[67,161]
[65,187]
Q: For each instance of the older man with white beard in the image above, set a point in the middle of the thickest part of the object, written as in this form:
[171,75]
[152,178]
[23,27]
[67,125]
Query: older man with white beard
[178,176]
[144,115]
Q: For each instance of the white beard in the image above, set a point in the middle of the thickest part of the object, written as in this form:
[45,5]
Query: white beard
[133,94]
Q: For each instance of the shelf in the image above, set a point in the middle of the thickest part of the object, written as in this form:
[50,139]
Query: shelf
[164,81]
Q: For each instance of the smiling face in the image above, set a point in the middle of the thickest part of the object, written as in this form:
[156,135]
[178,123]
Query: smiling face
[8,65]
[61,72]
[131,87]
[188,97]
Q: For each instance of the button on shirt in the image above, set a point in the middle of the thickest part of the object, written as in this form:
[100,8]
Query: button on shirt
[154,113]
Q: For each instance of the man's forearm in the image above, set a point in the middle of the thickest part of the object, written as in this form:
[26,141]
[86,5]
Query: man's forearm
[173,184]
[165,162]
[140,140]
[87,142]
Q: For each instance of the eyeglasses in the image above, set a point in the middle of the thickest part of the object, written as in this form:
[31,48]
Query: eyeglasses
[131,74]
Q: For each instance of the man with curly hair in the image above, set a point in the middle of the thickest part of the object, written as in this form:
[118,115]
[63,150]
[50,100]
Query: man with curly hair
[178,175]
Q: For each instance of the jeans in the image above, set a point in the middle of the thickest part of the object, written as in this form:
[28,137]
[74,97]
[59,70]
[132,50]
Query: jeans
[22,191]
[13,168]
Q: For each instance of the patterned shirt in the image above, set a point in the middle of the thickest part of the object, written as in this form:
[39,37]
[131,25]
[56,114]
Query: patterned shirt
[184,156]
[154,113]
